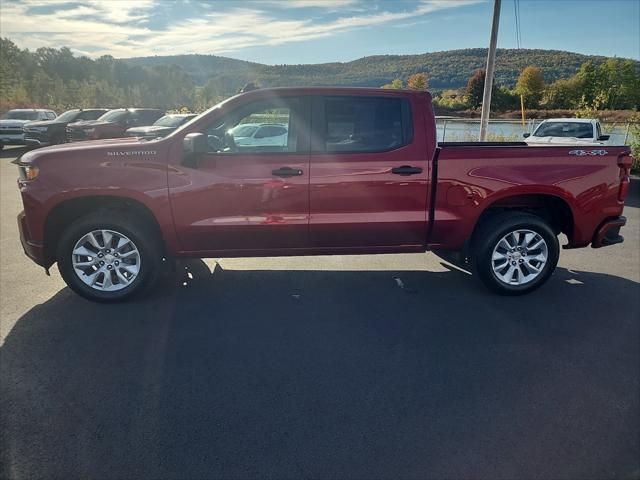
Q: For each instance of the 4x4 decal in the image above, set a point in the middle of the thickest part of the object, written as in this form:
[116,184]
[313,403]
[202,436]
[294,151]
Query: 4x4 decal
[582,153]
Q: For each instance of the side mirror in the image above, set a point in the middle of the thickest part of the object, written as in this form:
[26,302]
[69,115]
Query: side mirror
[214,143]
[526,135]
[603,138]
[193,145]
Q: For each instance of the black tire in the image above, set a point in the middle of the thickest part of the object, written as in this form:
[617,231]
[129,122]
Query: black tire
[489,235]
[145,238]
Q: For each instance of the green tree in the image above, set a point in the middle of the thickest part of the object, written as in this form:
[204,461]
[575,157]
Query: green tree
[563,94]
[590,78]
[418,81]
[397,84]
[475,88]
[530,85]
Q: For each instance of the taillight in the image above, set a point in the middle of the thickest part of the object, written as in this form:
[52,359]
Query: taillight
[624,162]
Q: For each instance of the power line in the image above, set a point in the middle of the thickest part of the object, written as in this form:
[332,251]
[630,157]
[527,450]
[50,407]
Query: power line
[516,11]
[519,18]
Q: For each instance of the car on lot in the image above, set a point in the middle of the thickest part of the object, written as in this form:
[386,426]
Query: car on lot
[13,121]
[260,134]
[567,131]
[112,124]
[161,127]
[361,172]
[52,132]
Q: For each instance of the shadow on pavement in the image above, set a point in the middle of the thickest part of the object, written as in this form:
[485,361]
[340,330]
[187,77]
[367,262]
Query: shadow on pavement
[298,374]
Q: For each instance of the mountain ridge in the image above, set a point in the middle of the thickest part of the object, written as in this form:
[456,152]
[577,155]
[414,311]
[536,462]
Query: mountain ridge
[445,69]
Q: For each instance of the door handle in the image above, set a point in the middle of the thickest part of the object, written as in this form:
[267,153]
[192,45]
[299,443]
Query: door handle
[286,172]
[406,170]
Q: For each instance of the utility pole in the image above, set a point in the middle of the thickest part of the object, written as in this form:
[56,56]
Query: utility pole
[488,79]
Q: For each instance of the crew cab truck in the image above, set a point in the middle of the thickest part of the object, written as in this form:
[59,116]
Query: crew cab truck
[360,172]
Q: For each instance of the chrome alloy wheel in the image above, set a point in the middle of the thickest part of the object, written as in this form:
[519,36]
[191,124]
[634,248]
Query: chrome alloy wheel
[106,260]
[519,257]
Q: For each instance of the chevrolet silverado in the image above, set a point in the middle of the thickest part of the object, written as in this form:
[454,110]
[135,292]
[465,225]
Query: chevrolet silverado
[360,172]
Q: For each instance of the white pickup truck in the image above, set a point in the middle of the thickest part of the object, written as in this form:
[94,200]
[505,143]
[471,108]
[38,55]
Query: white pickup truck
[567,131]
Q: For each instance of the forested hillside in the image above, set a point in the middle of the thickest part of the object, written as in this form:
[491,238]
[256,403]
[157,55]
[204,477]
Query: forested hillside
[450,69]
[55,78]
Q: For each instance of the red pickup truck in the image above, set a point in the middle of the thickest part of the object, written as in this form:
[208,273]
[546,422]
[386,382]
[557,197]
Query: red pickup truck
[342,171]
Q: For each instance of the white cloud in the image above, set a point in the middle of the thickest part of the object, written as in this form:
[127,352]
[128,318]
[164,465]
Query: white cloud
[119,28]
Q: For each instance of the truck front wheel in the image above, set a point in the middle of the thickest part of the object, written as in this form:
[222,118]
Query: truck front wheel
[515,253]
[108,256]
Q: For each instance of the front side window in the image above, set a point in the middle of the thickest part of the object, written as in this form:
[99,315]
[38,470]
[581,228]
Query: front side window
[169,121]
[262,127]
[366,124]
[91,114]
[51,115]
[115,116]
[69,116]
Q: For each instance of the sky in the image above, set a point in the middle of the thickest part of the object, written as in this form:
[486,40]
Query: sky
[317,31]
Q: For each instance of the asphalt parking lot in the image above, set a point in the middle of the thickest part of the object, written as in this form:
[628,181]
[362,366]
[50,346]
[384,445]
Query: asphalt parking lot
[322,367]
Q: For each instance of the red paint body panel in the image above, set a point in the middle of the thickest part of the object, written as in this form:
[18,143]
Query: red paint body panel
[588,184]
[232,205]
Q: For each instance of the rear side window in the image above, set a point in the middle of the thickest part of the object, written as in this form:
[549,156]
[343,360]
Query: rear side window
[365,124]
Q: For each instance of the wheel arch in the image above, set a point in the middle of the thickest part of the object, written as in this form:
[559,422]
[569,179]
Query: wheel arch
[67,211]
[553,208]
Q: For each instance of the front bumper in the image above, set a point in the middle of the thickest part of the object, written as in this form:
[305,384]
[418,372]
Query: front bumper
[33,250]
[34,142]
[36,139]
[12,139]
[608,233]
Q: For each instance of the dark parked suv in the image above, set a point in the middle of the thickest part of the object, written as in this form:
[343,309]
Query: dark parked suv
[112,124]
[52,132]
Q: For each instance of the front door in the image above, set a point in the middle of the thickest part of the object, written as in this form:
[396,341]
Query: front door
[250,191]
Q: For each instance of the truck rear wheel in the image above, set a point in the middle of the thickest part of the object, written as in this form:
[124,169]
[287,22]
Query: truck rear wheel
[108,256]
[514,253]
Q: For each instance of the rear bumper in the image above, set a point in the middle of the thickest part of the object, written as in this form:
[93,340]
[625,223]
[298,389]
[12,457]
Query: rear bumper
[33,250]
[608,233]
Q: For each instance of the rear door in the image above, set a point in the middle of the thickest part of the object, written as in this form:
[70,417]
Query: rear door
[247,196]
[369,172]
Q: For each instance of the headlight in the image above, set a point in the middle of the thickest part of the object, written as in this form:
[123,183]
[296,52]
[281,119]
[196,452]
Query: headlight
[89,130]
[37,129]
[28,172]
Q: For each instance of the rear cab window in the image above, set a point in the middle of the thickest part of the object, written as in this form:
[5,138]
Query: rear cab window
[362,124]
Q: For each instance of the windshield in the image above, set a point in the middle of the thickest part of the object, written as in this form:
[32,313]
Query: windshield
[169,121]
[244,130]
[68,116]
[114,116]
[20,115]
[564,129]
